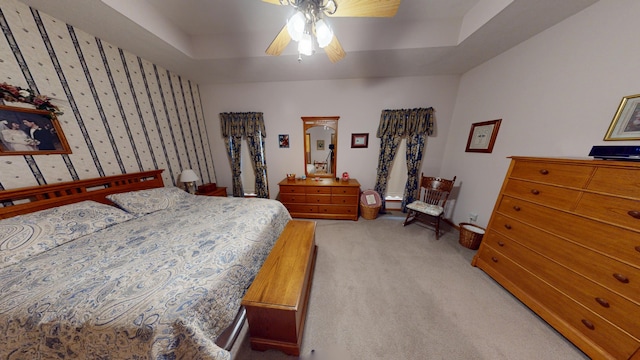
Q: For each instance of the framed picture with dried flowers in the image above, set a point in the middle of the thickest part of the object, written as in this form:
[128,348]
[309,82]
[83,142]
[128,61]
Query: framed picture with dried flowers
[483,136]
[626,122]
[30,132]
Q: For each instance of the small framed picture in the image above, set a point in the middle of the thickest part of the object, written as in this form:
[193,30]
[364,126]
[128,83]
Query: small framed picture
[483,136]
[30,132]
[360,140]
[283,140]
[320,145]
[626,121]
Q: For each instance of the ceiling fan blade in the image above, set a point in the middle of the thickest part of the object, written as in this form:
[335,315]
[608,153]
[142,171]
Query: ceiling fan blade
[334,50]
[279,43]
[274,2]
[366,8]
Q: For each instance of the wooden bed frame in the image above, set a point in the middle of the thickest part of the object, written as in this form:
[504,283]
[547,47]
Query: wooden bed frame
[35,198]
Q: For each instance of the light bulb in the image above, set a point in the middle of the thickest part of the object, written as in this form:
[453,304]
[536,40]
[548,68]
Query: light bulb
[305,46]
[295,26]
[323,33]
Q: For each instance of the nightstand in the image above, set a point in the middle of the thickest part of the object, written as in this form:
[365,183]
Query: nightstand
[219,191]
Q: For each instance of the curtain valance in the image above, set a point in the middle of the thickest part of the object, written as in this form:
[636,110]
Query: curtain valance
[242,124]
[406,122]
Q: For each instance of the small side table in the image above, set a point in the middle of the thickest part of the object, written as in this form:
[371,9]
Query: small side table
[220,191]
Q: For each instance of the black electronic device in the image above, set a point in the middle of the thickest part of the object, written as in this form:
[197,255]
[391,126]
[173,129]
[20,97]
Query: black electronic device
[631,153]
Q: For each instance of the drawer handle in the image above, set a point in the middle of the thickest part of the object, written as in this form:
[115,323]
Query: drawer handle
[516,208]
[507,226]
[500,243]
[621,278]
[535,192]
[544,172]
[588,324]
[634,214]
[494,259]
[602,302]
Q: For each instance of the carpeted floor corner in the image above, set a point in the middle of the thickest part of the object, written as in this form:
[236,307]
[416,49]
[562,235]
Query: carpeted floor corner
[384,291]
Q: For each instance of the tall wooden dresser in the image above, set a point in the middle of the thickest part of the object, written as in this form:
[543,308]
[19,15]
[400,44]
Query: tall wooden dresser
[326,198]
[564,238]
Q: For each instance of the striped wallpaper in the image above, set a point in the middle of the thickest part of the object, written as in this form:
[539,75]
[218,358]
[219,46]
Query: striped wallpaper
[122,114]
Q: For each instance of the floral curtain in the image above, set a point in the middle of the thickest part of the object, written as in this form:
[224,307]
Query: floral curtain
[232,144]
[415,125]
[388,148]
[248,125]
[256,149]
[415,148]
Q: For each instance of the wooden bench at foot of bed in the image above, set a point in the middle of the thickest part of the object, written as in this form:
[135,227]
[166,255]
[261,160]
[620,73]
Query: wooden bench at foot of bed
[276,301]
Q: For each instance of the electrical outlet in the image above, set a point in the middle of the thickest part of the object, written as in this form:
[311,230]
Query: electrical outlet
[473,216]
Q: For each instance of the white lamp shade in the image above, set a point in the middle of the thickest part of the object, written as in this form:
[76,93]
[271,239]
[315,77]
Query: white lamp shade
[305,46]
[188,175]
[323,33]
[295,26]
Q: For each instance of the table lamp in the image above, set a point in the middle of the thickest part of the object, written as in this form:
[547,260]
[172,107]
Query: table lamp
[189,178]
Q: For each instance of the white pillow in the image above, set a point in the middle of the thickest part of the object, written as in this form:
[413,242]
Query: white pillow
[143,202]
[31,234]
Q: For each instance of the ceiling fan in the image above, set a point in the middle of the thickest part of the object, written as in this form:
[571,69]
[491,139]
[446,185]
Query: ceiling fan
[308,28]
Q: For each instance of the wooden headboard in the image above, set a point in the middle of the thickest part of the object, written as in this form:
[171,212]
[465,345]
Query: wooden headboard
[35,198]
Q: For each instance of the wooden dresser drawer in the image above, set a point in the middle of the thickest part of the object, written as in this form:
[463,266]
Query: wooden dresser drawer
[302,208]
[616,181]
[543,194]
[611,306]
[610,209]
[338,209]
[318,199]
[559,310]
[293,198]
[342,190]
[344,199]
[609,273]
[286,189]
[618,243]
[558,174]
[317,190]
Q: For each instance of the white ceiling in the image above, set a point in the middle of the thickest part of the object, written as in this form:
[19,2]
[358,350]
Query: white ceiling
[223,41]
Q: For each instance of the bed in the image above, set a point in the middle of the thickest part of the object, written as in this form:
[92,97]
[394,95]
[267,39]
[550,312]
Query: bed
[124,268]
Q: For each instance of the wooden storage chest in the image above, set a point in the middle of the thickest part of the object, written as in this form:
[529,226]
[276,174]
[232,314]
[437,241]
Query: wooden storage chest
[564,238]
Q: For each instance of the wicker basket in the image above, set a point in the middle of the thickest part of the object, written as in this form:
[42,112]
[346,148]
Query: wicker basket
[369,210]
[471,235]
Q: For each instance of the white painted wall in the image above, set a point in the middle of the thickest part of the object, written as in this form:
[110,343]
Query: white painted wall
[358,102]
[556,93]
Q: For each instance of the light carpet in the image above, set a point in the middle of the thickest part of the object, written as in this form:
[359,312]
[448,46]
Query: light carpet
[384,291]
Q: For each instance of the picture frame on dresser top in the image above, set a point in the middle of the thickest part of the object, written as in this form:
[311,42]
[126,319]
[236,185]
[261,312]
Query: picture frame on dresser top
[626,121]
[482,136]
[26,131]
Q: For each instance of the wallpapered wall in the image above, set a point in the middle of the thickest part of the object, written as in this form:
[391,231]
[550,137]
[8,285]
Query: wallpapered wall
[122,114]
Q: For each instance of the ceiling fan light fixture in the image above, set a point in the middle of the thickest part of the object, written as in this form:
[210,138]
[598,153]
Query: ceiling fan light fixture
[323,33]
[305,45]
[295,25]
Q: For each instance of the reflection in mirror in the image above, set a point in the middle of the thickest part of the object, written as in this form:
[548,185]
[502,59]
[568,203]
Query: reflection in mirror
[320,145]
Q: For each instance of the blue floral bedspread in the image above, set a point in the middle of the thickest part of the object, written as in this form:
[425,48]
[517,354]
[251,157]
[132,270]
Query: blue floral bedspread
[161,286]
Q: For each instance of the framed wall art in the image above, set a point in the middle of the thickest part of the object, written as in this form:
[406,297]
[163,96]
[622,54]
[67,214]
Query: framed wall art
[483,136]
[360,140]
[30,132]
[320,145]
[626,122]
[283,140]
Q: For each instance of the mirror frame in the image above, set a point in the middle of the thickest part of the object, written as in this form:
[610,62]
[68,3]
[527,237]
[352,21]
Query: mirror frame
[328,121]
